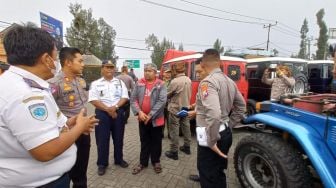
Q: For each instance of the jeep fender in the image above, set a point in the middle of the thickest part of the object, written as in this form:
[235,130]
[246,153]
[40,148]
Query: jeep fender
[315,148]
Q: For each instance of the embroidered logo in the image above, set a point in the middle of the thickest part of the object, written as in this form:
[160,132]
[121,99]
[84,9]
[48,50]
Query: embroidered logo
[204,90]
[38,111]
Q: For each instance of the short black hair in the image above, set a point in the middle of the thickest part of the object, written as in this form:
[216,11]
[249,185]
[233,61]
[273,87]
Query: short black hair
[211,55]
[198,61]
[68,53]
[25,44]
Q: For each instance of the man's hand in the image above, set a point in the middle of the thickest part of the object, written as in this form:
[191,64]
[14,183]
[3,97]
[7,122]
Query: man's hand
[192,114]
[86,124]
[149,117]
[280,73]
[111,111]
[266,72]
[71,121]
[142,116]
[218,151]
[114,115]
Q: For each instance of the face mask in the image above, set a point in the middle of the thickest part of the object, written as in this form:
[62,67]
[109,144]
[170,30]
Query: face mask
[57,68]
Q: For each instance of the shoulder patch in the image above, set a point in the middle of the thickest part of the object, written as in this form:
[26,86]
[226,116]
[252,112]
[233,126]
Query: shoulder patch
[38,111]
[32,98]
[204,90]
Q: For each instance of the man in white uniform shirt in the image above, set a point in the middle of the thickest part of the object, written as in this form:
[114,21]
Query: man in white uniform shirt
[108,94]
[37,147]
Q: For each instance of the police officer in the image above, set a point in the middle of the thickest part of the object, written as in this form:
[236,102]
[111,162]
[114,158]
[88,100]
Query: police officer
[128,80]
[178,93]
[70,95]
[37,146]
[217,97]
[108,94]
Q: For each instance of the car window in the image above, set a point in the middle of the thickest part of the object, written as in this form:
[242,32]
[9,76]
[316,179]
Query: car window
[314,73]
[193,71]
[326,71]
[252,71]
[234,72]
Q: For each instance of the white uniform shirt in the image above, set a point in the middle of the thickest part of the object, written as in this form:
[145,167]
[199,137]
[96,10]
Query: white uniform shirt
[29,117]
[108,92]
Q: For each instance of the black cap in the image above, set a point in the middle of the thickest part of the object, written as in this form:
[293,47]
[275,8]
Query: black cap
[108,63]
[4,66]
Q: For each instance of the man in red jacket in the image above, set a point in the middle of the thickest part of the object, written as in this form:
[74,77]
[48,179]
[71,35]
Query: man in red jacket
[148,101]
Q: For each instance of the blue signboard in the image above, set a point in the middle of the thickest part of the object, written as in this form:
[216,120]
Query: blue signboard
[54,27]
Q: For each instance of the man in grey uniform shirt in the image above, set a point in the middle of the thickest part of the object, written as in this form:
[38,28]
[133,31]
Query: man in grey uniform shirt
[68,90]
[217,97]
[128,80]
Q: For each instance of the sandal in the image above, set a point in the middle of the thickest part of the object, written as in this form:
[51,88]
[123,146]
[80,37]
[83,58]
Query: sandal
[138,169]
[157,168]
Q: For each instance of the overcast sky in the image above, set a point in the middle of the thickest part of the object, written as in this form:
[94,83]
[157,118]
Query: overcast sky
[136,19]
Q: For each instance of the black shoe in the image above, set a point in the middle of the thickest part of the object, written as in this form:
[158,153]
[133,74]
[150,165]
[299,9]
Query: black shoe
[185,149]
[194,177]
[122,164]
[101,170]
[172,155]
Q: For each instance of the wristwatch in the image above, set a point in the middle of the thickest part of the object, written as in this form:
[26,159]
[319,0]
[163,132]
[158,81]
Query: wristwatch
[117,107]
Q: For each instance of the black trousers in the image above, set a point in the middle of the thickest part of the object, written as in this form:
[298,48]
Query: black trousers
[210,165]
[103,131]
[151,143]
[78,172]
[127,109]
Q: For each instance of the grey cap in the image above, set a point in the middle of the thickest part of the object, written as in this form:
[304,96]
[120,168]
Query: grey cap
[150,65]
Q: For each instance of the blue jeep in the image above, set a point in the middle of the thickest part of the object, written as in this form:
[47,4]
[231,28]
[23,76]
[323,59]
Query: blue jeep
[293,144]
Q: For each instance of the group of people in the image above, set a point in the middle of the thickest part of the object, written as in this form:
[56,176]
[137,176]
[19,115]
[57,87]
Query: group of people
[219,107]
[45,129]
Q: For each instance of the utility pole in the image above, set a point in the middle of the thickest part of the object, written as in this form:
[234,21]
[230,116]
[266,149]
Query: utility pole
[269,30]
[309,39]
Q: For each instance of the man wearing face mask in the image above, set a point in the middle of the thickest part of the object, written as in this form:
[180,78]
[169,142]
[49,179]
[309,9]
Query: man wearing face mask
[37,140]
[68,89]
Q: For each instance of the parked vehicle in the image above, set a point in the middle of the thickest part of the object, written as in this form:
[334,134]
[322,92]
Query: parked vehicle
[294,143]
[233,67]
[320,76]
[258,91]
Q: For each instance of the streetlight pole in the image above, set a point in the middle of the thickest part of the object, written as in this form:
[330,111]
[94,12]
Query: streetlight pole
[268,34]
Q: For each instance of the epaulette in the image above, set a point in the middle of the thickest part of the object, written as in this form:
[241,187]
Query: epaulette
[33,84]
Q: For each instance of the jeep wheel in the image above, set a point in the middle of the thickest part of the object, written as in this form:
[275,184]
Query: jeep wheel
[263,160]
[300,84]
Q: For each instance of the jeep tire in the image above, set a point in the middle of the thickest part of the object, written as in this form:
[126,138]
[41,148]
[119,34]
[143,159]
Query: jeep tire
[264,160]
[301,84]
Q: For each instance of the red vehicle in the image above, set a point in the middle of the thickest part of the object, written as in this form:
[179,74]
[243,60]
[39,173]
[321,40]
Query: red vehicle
[233,67]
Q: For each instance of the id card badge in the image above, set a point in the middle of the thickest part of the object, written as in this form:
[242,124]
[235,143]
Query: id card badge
[201,136]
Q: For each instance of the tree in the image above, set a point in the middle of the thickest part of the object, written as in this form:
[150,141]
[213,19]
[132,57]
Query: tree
[91,36]
[303,47]
[180,47]
[218,46]
[107,40]
[159,48]
[323,37]
[275,52]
